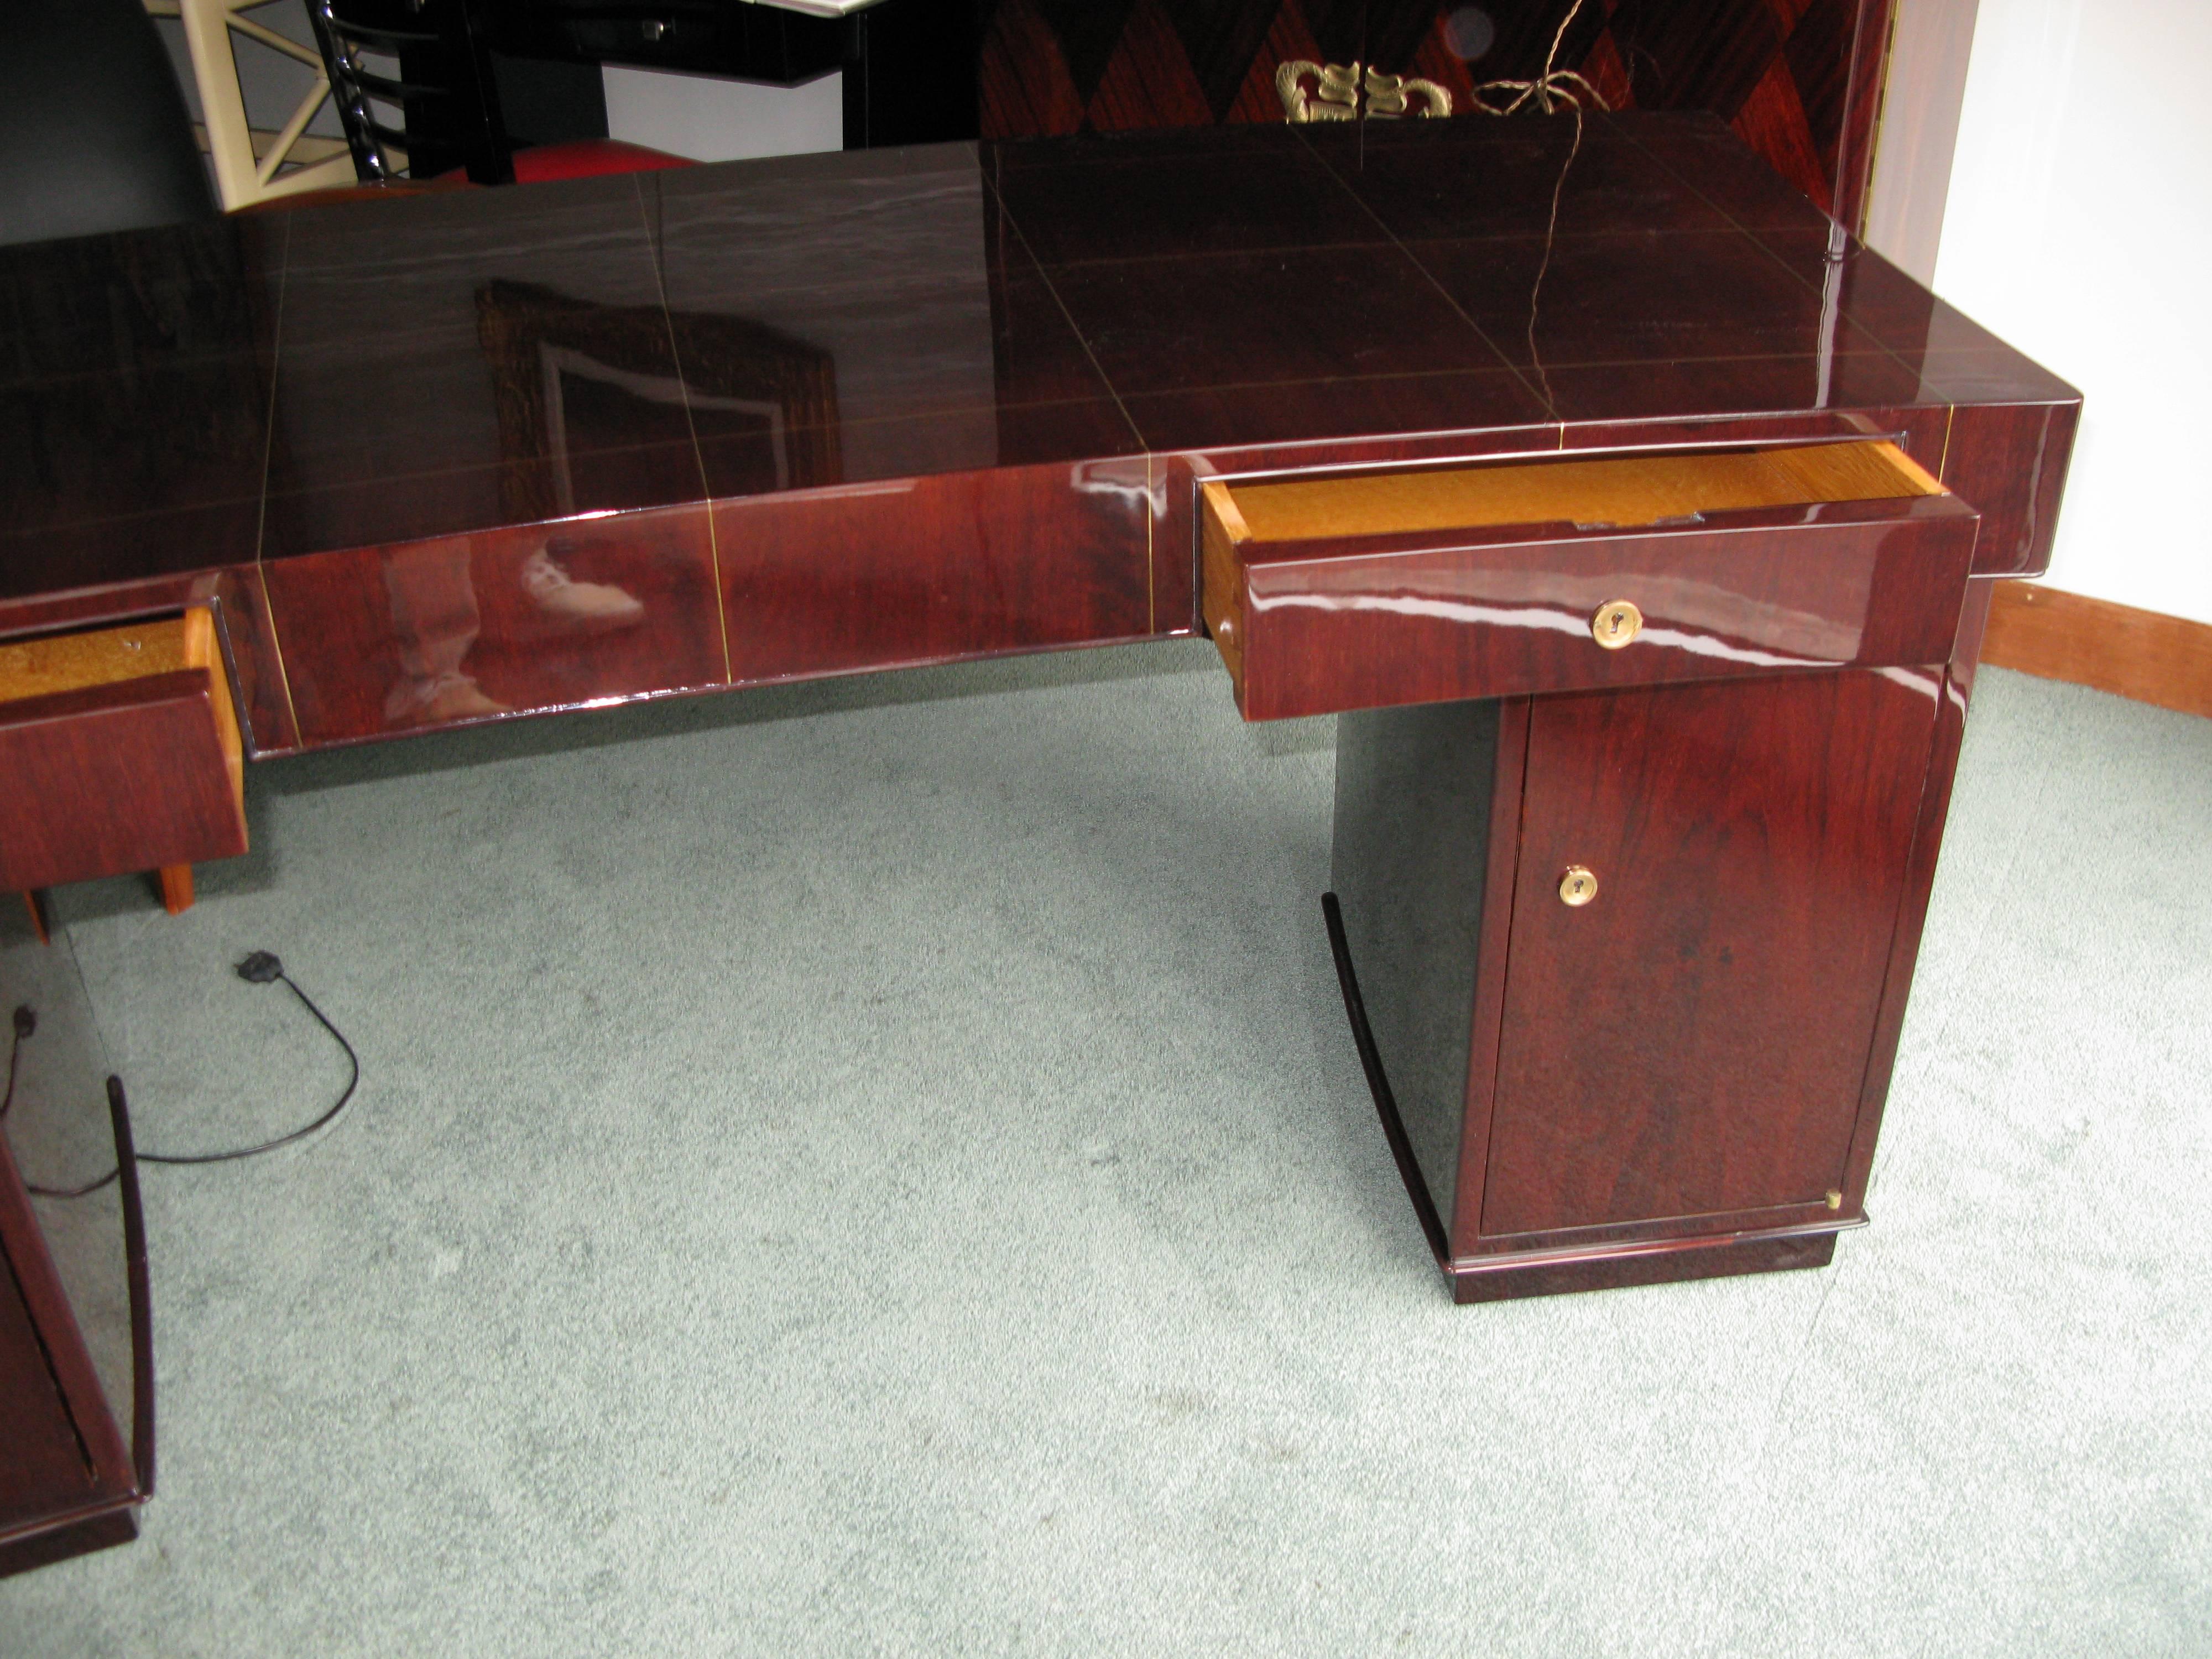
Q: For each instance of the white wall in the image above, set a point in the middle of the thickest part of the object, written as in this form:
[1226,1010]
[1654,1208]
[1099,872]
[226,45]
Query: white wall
[711,119]
[2079,226]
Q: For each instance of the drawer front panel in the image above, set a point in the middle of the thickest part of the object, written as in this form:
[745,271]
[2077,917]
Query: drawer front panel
[1371,629]
[1332,595]
[113,779]
[121,751]
[248,636]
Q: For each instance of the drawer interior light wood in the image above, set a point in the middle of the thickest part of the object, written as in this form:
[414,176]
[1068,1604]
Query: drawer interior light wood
[69,662]
[1625,491]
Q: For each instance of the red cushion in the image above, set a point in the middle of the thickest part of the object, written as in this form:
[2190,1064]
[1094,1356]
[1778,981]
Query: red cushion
[584,158]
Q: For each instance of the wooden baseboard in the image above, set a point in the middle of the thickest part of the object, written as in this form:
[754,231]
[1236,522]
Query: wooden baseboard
[2142,654]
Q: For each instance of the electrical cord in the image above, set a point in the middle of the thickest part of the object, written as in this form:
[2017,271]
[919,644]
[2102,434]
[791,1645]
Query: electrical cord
[260,968]
[26,1022]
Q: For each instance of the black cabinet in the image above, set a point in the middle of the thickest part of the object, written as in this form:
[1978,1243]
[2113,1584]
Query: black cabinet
[910,65]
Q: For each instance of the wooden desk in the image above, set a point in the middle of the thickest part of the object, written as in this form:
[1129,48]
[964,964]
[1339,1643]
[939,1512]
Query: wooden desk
[496,453]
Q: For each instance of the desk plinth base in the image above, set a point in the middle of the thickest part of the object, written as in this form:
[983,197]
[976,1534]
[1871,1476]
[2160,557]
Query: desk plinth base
[1504,1280]
[42,1549]
[1508,1276]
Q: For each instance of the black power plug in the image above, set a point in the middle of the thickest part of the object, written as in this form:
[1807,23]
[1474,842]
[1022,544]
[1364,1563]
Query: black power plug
[261,968]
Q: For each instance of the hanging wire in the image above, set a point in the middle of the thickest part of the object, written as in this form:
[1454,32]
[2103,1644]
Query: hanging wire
[1554,86]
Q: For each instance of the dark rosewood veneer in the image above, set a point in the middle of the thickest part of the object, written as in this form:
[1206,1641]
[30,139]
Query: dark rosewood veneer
[1635,522]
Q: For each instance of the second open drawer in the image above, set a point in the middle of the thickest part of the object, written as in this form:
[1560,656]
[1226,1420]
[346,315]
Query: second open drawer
[1574,573]
[120,750]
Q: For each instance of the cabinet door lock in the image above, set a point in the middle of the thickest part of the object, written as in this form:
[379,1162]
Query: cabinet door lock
[1578,886]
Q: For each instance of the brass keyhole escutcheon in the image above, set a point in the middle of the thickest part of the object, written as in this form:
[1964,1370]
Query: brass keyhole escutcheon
[1617,623]
[1578,887]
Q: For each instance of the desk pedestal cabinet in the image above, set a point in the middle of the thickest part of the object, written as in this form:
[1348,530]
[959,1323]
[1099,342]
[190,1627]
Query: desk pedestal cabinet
[1625,962]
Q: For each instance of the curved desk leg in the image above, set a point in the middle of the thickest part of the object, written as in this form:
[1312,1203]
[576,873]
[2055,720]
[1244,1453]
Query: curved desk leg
[140,1288]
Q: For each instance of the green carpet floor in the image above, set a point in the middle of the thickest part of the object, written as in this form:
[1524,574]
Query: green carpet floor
[880,1168]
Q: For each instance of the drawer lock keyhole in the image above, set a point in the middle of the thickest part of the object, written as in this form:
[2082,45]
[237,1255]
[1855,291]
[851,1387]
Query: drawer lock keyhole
[1578,887]
[1617,623]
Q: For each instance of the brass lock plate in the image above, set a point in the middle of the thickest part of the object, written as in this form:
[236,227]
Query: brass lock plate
[1577,886]
[1617,623]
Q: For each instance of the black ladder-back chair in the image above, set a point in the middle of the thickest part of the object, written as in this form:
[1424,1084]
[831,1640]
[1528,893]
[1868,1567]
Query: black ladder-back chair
[444,90]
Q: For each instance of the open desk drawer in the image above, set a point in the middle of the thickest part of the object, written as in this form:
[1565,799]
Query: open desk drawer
[1564,574]
[121,749]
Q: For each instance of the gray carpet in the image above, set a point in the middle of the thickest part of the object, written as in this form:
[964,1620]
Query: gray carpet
[880,1168]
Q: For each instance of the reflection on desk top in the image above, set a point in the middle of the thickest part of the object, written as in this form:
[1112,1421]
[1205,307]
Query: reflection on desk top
[361,374]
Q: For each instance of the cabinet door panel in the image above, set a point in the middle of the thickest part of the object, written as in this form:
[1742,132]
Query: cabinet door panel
[1693,1040]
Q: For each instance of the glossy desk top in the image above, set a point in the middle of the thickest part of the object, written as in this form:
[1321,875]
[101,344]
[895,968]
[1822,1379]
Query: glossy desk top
[286,384]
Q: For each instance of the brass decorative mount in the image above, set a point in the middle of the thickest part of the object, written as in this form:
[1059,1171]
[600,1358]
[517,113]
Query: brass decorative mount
[1331,92]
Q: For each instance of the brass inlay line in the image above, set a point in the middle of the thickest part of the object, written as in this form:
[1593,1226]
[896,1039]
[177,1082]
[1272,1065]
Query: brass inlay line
[1429,276]
[268,459]
[690,425]
[1151,584]
[1144,447]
